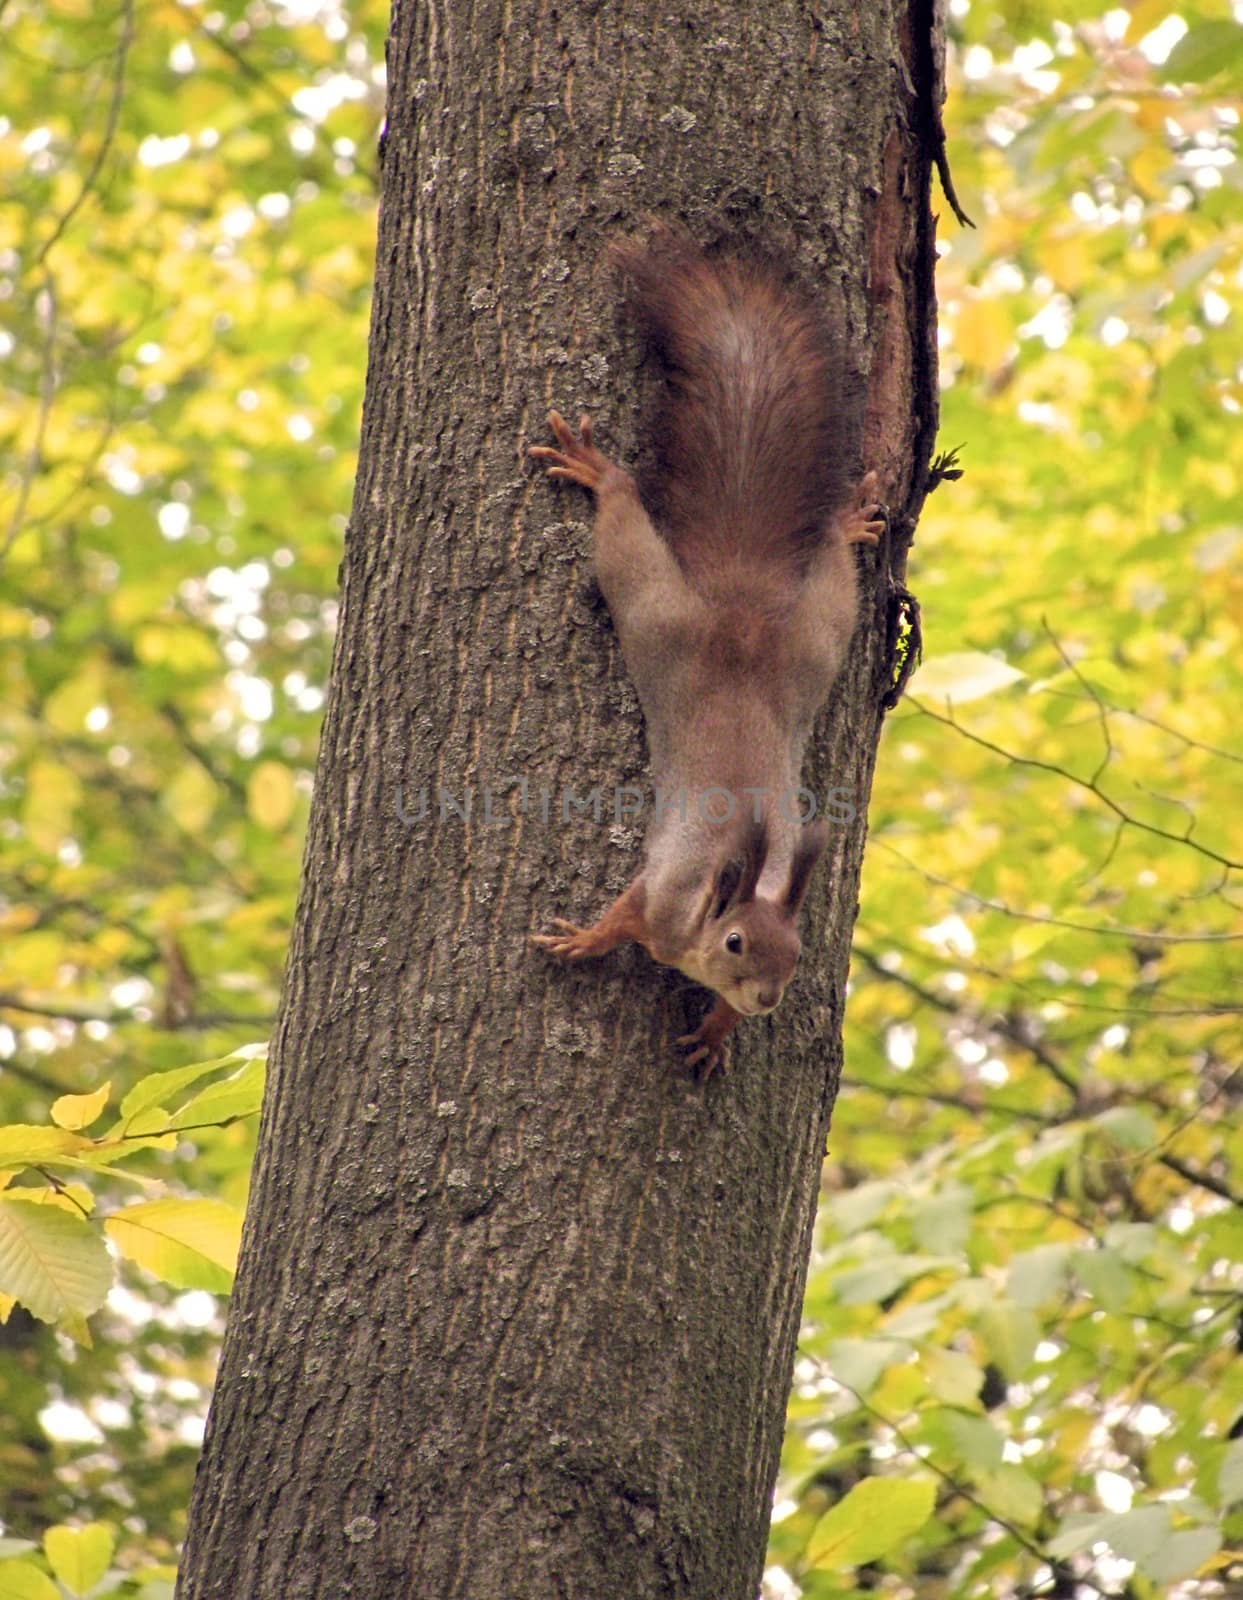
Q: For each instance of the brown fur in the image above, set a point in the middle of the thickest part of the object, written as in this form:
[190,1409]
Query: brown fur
[756,434]
[734,614]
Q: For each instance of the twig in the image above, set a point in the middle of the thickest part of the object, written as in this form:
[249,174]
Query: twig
[117,1016]
[1043,996]
[1089,784]
[48,383]
[105,146]
[1101,930]
[951,1482]
[1202,1180]
[1008,1029]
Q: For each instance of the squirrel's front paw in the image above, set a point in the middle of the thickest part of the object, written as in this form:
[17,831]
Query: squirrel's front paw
[577,459]
[571,944]
[703,1052]
[706,1046]
[706,1058]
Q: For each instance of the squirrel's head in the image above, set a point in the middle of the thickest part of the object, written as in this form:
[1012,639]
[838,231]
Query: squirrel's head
[748,945]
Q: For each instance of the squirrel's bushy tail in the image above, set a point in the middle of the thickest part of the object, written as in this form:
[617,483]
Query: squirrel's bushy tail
[758,435]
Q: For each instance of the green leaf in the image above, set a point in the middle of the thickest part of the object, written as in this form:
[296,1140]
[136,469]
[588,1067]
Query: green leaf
[79,1556]
[239,1095]
[1012,1334]
[856,1209]
[1105,1276]
[1038,1275]
[953,1377]
[859,1363]
[962,676]
[876,1516]
[191,1244]
[20,1580]
[1230,1474]
[1205,51]
[1135,1242]
[1131,1126]
[31,1144]
[1079,1531]
[158,1088]
[978,1443]
[157,1589]
[942,1222]
[53,1262]
[1181,1555]
[1011,1493]
[877,1280]
[1134,1535]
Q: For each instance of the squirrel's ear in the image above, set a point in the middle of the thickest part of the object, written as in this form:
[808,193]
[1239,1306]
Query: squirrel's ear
[810,848]
[737,878]
[755,855]
[726,886]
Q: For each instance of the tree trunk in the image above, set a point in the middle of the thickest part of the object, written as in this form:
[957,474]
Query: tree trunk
[518,1299]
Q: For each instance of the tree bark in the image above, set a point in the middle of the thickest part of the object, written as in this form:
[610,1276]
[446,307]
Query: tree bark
[518,1299]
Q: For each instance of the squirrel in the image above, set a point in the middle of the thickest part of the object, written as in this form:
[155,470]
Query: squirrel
[734,615]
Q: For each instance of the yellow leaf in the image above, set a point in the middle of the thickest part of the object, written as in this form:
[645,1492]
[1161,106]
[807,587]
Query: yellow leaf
[1145,16]
[270,794]
[54,1263]
[1150,169]
[1068,258]
[66,707]
[78,1329]
[190,798]
[79,1557]
[22,1580]
[982,333]
[191,1244]
[964,675]
[29,1144]
[876,1516]
[1026,938]
[52,797]
[183,648]
[35,960]
[75,1198]
[74,1111]
[137,600]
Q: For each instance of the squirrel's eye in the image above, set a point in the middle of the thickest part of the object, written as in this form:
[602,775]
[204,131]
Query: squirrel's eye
[733,943]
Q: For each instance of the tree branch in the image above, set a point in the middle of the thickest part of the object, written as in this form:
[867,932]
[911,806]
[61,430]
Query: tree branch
[117,1015]
[105,145]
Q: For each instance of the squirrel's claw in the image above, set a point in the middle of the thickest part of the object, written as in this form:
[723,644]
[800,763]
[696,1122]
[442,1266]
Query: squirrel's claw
[577,459]
[571,944]
[708,1057]
[867,519]
[706,1046]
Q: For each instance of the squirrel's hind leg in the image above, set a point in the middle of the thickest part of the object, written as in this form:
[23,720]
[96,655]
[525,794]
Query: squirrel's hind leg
[638,572]
[864,520]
